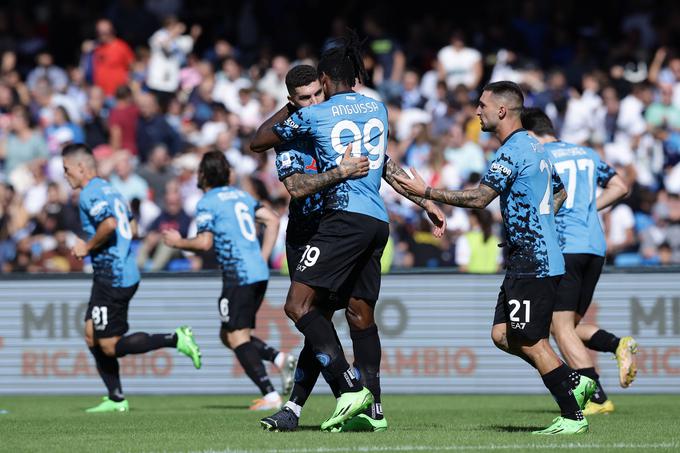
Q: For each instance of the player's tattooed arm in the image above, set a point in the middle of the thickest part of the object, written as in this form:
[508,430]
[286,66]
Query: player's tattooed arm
[391,170]
[558,200]
[265,137]
[437,217]
[302,185]
[477,198]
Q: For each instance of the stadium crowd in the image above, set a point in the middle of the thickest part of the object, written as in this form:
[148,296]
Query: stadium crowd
[151,92]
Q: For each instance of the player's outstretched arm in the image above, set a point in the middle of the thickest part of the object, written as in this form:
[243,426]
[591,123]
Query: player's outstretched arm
[615,189]
[265,137]
[104,231]
[477,198]
[558,200]
[270,220]
[201,243]
[433,212]
[302,185]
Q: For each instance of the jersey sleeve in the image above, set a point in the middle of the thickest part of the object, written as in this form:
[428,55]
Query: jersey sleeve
[289,162]
[604,173]
[205,218]
[557,184]
[97,207]
[300,124]
[501,174]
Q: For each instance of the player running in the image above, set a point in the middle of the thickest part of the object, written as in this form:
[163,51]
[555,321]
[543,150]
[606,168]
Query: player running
[522,174]
[107,224]
[297,169]
[583,244]
[226,218]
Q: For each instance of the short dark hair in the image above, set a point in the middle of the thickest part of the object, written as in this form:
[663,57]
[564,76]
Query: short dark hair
[76,148]
[535,120]
[300,76]
[343,62]
[214,170]
[506,89]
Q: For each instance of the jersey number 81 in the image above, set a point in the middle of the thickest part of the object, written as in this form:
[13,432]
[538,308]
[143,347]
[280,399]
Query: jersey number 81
[376,152]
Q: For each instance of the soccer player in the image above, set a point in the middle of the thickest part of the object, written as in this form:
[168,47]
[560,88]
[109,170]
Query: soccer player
[225,219]
[345,251]
[106,221]
[583,244]
[522,174]
[297,169]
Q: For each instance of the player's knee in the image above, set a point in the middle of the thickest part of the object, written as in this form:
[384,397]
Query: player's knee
[499,337]
[108,348]
[224,337]
[358,320]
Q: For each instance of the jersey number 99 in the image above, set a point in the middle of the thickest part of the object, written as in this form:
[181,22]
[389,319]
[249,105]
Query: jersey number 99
[376,152]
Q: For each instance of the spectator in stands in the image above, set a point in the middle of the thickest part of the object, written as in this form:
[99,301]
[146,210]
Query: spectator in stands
[46,69]
[125,180]
[477,250]
[158,172]
[123,121]
[172,217]
[24,143]
[111,59]
[153,128]
[96,125]
[169,50]
[458,64]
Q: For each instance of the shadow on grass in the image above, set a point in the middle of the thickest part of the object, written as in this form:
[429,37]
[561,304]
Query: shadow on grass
[515,429]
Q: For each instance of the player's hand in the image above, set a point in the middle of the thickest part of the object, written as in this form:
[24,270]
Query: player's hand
[80,249]
[437,218]
[415,185]
[171,237]
[353,167]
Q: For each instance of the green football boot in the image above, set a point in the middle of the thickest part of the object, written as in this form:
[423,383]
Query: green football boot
[584,391]
[563,425]
[361,422]
[187,345]
[349,404]
[108,405]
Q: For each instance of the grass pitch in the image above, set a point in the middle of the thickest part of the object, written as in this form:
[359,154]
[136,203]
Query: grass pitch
[429,423]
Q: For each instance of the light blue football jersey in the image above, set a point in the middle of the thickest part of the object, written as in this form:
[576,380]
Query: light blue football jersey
[581,170]
[523,175]
[114,262]
[229,214]
[347,117]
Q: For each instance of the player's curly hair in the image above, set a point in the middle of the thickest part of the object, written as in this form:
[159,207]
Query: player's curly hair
[343,62]
[300,76]
[214,170]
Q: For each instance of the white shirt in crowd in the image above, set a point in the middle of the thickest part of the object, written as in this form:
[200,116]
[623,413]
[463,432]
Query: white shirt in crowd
[167,56]
[459,65]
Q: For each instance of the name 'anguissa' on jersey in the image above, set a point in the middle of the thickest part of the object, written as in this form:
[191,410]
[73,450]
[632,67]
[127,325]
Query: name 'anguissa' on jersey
[347,117]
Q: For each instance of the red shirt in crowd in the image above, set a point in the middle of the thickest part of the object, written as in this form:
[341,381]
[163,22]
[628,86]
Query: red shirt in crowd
[125,117]
[111,65]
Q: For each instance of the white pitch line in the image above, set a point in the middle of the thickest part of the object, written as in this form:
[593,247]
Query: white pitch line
[457,448]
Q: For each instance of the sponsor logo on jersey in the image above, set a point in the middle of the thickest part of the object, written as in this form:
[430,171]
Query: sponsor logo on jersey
[499,168]
[98,207]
